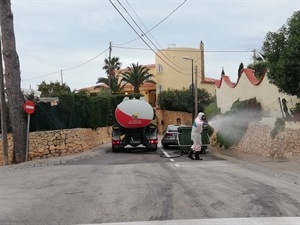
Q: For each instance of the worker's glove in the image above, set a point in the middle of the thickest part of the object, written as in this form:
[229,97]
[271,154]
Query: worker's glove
[204,124]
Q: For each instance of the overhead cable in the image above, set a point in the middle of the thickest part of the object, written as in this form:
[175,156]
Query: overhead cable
[185,50]
[166,55]
[155,25]
[142,38]
[48,74]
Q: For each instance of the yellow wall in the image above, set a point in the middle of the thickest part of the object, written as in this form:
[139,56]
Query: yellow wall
[175,72]
[172,70]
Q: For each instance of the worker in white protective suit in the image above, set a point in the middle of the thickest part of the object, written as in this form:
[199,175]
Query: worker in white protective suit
[196,137]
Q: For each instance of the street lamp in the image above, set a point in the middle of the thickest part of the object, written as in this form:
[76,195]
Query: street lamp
[192,60]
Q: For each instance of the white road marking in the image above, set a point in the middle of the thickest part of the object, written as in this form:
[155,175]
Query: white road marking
[172,160]
[166,154]
[203,164]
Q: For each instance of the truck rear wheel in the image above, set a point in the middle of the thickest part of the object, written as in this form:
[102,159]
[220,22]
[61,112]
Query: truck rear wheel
[153,149]
[114,149]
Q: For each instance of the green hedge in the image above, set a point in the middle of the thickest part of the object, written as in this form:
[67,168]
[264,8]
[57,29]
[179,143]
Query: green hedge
[182,100]
[77,110]
[72,111]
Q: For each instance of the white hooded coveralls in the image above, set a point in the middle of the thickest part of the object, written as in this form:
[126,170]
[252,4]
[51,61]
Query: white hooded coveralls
[197,129]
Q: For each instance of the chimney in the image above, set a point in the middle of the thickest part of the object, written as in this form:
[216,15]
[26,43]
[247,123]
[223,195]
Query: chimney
[202,75]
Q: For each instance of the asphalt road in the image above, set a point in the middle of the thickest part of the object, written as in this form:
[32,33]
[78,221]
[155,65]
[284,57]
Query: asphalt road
[138,186]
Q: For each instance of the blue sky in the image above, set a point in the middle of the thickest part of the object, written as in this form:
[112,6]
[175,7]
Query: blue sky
[68,39]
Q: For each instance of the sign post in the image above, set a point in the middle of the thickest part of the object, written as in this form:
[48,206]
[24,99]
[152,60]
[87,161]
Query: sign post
[29,108]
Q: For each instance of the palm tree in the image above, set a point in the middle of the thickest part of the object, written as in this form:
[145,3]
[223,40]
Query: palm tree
[136,75]
[110,66]
[102,80]
[116,86]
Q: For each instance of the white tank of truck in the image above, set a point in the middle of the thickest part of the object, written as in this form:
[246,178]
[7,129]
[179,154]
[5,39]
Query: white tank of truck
[135,127]
[134,113]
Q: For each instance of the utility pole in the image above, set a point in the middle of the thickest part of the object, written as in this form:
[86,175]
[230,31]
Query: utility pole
[192,87]
[196,91]
[3,111]
[109,67]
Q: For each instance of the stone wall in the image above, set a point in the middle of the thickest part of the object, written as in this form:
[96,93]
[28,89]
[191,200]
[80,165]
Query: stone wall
[46,144]
[258,141]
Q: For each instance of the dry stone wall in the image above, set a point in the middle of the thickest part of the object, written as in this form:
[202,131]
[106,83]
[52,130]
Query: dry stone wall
[258,141]
[46,144]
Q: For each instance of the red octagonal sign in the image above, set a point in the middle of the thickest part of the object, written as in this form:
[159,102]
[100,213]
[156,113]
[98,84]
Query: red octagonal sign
[29,107]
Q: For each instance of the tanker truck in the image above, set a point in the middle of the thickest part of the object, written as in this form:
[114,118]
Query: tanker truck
[134,126]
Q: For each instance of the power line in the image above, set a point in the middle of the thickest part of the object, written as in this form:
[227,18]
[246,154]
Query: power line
[142,38]
[155,25]
[143,33]
[45,75]
[185,50]
[168,56]
[87,61]
[60,71]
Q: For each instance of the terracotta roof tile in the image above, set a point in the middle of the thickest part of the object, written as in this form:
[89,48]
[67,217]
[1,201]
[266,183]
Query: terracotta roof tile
[209,80]
[251,77]
[227,80]
[91,88]
[249,74]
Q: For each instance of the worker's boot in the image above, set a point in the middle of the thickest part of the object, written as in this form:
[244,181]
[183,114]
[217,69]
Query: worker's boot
[191,154]
[197,153]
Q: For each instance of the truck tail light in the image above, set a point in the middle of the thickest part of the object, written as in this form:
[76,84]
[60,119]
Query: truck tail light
[153,141]
[116,142]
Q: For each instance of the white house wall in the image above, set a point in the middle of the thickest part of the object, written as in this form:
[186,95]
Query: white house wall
[267,94]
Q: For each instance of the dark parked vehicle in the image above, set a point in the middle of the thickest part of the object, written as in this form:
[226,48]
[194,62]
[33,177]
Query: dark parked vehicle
[170,136]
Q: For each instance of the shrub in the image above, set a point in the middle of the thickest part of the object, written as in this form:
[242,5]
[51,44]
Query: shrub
[295,111]
[212,110]
[279,126]
[182,100]
[232,125]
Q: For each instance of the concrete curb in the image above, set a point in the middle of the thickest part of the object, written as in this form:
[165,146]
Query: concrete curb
[62,160]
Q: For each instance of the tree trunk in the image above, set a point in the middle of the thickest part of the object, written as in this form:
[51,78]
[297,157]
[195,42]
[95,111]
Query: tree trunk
[136,89]
[13,81]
